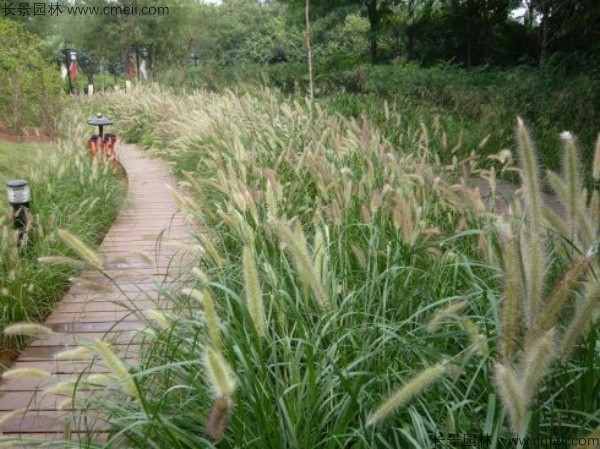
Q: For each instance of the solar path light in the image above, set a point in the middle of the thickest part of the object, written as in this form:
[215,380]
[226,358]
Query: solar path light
[19,197]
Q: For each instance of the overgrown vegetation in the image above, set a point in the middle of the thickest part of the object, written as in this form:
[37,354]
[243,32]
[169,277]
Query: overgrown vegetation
[30,90]
[480,102]
[340,270]
[68,192]
[358,283]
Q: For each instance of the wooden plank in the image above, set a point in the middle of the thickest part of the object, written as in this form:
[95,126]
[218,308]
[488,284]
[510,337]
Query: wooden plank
[76,339]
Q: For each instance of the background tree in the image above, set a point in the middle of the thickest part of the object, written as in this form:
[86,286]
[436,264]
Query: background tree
[29,84]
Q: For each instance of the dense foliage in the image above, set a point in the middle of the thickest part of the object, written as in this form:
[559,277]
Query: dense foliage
[30,90]
[465,32]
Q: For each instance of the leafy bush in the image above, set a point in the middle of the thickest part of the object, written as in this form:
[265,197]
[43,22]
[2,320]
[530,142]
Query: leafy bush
[30,91]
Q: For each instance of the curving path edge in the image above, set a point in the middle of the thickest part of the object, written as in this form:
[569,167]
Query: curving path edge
[139,255]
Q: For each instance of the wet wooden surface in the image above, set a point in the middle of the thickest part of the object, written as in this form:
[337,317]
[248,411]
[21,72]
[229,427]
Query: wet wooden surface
[141,260]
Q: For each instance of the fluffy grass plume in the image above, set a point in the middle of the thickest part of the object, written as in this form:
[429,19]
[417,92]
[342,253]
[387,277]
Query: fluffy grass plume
[513,297]
[211,317]
[10,415]
[26,329]
[439,318]
[511,394]
[67,404]
[478,340]
[253,292]
[562,292]
[159,317]
[62,389]
[219,373]
[572,175]
[61,260]
[100,379]
[201,276]
[584,314]
[536,360]
[82,249]
[296,244]
[530,175]
[413,387]
[596,166]
[79,353]
[21,373]
[117,367]
[218,417]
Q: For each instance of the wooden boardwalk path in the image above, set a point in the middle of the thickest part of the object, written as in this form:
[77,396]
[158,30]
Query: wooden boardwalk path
[138,252]
[507,193]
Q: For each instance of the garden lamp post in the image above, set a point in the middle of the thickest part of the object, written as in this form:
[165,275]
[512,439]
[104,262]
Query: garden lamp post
[19,197]
[100,121]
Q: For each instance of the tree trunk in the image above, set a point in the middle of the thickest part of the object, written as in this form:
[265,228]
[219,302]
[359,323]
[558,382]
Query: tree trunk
[410,44]
[311,93]
[374,19]
[90,72]
[543,37]
[410,32]
[468,42]
[185,59]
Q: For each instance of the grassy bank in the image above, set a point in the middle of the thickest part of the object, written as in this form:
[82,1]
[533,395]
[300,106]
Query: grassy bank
[482,102]
[68,192]
[351,292]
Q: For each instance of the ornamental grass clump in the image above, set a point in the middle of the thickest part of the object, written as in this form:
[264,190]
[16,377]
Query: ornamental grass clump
[538,311]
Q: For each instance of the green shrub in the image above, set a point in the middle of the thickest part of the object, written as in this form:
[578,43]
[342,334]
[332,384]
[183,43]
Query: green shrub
[30,90]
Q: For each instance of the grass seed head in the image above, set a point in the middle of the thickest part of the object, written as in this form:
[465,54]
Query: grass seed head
[85,252]
[79,353]
[412,388]
[512,395]
[536,360]
[21,373]
[253,291]
[218,416]
[26,329]
[117,367]
[219,373]
[9,416]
